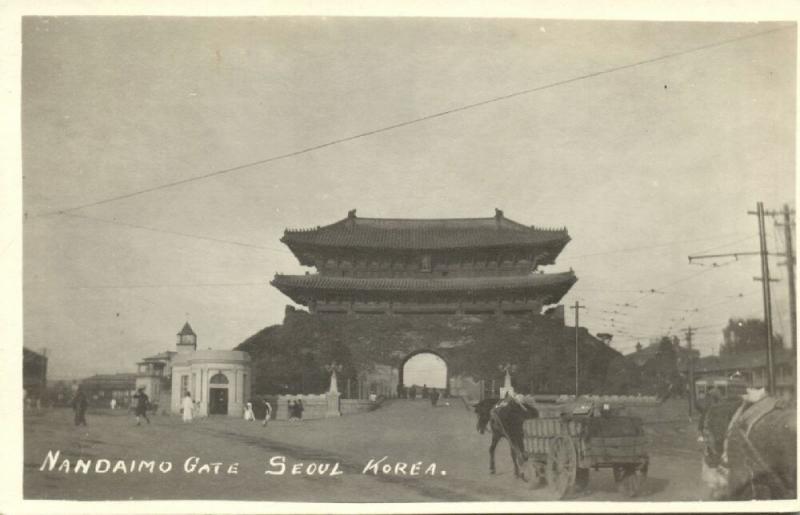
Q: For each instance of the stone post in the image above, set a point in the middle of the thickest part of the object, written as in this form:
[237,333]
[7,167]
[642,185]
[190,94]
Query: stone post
[333,392]
[507,388]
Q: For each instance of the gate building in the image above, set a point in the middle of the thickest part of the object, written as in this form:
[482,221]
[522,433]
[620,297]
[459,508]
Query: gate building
[437,266]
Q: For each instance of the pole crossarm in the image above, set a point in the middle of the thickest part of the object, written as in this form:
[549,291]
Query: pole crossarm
[734,255]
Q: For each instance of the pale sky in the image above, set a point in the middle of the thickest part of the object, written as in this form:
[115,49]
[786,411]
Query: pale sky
[643,165]
[425,370]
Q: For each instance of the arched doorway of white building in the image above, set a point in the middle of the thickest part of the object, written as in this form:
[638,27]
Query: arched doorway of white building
[218,395]
[424,368]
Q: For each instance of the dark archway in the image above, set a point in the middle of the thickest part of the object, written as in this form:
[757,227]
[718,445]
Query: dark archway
[218,395]
[436,361]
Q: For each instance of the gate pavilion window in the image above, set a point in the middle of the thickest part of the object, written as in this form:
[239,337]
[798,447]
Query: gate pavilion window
[426,263]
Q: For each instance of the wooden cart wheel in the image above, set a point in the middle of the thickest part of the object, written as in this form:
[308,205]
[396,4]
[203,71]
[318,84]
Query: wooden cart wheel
[633,479]
[562,466]
[529,473]
[581,479]
[619,473]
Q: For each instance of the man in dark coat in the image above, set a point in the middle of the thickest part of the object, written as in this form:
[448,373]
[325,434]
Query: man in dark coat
[79,405]
[142,403]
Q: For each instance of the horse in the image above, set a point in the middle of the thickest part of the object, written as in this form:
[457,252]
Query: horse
[506,419]
[749,459]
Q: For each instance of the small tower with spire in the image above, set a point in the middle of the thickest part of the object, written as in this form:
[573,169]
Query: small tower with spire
[187,339]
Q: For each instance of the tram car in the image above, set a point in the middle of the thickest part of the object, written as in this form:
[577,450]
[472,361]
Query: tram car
[710,390]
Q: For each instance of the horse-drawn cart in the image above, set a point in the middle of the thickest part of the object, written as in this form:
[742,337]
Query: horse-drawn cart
[562,449]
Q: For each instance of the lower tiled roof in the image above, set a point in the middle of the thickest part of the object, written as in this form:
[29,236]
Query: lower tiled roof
[558,284]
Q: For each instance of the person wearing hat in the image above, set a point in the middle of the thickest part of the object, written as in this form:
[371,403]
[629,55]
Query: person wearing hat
[142,402]
[79,405]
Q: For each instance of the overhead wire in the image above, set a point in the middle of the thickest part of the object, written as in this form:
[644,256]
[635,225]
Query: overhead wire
[413,121]
[176,233]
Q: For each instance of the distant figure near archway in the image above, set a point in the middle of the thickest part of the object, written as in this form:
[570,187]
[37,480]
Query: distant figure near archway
[424,369]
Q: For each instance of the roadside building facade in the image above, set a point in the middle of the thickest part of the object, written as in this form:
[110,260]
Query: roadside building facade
[34,374]
[218,380]
[101,388]
[153,374]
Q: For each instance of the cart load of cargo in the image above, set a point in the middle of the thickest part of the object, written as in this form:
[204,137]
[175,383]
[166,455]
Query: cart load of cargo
[563,445]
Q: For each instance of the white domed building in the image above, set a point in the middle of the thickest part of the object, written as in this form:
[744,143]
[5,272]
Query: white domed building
[218,380]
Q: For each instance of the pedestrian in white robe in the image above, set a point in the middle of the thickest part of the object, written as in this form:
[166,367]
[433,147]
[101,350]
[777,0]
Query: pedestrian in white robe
[188,407]
[248,412]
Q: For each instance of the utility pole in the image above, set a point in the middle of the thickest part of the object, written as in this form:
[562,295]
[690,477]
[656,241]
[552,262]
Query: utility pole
[766,293]
[577,307]
[790,264]
[691,370]
[765,280]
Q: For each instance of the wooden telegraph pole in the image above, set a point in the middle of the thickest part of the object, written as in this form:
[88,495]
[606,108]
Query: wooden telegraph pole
[765,280]
[790,264]
[577,307]
[691,371]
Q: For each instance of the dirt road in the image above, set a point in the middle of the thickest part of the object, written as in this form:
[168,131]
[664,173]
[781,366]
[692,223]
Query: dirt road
[431,454]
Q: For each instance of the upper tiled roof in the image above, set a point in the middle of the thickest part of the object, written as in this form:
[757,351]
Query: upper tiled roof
[427,234]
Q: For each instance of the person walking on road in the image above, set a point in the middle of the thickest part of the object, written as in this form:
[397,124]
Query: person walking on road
[142,403]
[79,405]
[434,397]
[113,404]
[187,404]
[268,410]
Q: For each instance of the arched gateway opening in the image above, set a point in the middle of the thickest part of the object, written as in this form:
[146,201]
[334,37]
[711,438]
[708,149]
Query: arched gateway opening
[424,368]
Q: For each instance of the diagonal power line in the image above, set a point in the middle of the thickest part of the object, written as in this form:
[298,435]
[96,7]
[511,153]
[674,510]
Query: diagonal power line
[171,232]
[406,123]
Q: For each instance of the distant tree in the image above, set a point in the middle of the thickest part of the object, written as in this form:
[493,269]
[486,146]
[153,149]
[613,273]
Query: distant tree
[744,335]
[660,373]
[622,377]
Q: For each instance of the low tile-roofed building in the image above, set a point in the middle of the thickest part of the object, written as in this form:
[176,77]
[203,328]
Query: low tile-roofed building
[34,373]
[101,388]
[752,367]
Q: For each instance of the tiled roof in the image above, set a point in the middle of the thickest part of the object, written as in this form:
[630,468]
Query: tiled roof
[32,356]
[743,361]
[556,284]
[124,380]
[161,356]
[428,234]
